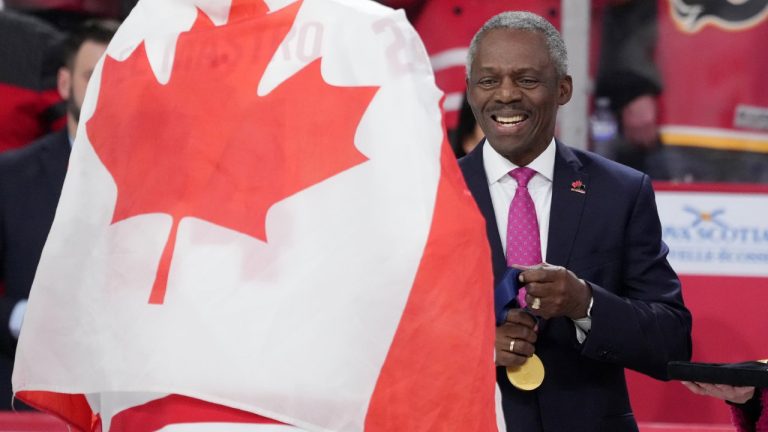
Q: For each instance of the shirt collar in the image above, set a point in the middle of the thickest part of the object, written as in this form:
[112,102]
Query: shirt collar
[497,166]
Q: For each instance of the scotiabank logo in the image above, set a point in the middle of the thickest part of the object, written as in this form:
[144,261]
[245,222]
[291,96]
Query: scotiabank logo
[709,238]
[693,15]
[710,226]
[706,216]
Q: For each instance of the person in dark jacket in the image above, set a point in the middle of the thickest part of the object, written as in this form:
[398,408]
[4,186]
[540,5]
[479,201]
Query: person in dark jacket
[31,179]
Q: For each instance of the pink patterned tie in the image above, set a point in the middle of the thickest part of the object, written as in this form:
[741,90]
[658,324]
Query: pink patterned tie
[523,244]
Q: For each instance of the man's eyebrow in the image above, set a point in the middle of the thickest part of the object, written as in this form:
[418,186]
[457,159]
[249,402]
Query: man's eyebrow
[525,69]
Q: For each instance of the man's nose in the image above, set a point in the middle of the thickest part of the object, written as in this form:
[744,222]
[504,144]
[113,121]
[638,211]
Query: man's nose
[508,91]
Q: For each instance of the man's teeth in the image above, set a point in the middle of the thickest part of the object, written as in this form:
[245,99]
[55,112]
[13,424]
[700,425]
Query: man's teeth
[510,120]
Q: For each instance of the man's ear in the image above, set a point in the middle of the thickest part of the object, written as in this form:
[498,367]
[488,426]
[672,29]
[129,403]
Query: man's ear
[64,82]
[565,88]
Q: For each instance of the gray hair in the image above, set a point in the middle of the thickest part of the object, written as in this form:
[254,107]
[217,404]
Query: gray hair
[526,21]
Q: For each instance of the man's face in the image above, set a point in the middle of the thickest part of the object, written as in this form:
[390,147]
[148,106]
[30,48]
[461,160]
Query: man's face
[74,81]
[514,92]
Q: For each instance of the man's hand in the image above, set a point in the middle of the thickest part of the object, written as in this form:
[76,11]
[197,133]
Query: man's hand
[730,393]
[554,291]
[515,338]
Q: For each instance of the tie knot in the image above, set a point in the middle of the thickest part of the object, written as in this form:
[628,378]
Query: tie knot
[522,175]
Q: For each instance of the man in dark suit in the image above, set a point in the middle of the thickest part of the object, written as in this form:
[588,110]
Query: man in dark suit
[30,184]
[605,298]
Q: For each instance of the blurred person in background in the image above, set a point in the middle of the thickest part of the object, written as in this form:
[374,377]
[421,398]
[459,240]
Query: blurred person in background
[30,105]
[695,69]
[68,14]
[31,179]
[629,79]
[467,134]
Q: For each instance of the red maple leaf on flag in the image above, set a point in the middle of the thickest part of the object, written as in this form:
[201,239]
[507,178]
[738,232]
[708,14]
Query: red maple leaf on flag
[205,145]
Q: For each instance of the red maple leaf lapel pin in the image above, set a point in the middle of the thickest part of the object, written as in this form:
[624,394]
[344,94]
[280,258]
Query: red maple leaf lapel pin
[578,186]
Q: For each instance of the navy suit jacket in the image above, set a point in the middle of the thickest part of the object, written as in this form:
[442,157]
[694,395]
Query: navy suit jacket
[30,184]
[610,236]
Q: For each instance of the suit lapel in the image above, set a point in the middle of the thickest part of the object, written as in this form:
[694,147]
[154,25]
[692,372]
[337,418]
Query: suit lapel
[477,182]
[567,205]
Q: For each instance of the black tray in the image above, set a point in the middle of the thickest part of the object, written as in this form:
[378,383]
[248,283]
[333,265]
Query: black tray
[751,373]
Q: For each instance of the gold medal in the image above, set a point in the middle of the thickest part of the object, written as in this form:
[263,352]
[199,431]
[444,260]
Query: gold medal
[527,376]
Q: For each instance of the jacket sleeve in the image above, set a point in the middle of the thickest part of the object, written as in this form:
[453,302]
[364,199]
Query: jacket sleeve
[642,323]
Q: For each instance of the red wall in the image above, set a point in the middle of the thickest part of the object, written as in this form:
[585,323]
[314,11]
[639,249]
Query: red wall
[730,324]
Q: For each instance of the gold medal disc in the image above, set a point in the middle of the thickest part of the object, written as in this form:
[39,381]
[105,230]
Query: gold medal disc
[527,376]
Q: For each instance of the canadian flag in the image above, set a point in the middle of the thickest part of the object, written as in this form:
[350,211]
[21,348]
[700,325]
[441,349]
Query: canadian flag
[262,223]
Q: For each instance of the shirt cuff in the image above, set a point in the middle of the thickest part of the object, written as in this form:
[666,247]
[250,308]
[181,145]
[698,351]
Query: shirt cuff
[17,316]
[584,325]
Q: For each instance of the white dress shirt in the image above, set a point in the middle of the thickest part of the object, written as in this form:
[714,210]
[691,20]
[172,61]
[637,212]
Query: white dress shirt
[502,188]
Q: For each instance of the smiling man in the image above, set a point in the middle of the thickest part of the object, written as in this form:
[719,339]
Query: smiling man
[604,297]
